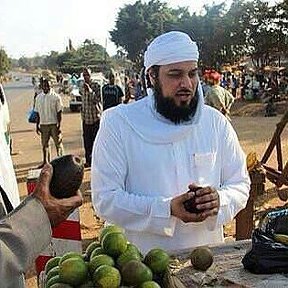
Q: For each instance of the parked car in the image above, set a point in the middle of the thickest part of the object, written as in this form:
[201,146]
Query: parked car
[75,102]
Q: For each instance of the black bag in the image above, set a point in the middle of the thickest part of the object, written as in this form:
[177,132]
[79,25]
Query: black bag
[266,255]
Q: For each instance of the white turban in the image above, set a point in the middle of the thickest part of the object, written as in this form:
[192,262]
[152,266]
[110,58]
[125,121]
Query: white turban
[171,47]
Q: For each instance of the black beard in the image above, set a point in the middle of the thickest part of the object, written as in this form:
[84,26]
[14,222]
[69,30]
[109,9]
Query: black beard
[166,107]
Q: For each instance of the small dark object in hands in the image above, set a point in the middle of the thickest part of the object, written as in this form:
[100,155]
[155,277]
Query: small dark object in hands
[68,172]
[190,204]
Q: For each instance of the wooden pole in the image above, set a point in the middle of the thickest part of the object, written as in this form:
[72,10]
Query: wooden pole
[245,218]
[279,128]
[279,154]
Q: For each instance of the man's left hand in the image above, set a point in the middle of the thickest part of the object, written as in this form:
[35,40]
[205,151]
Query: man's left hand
[207,200]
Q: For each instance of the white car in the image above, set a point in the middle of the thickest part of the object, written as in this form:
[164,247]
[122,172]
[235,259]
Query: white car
[75,102]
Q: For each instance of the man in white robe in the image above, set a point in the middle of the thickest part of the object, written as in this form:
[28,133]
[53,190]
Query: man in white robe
[150,155]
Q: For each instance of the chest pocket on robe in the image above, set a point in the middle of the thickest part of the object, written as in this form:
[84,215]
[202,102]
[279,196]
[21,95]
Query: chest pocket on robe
[204,167]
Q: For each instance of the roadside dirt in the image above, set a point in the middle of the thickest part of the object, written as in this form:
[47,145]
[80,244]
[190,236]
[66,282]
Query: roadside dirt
[255,108]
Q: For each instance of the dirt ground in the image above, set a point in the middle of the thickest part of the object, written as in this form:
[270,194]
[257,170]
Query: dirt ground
[254,131]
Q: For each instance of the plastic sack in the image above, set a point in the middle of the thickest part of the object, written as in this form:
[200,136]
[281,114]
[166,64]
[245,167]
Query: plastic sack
[32,116]
[266,255]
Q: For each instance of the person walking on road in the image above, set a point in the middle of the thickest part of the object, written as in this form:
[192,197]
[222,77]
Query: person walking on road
[48,106]
[90,112]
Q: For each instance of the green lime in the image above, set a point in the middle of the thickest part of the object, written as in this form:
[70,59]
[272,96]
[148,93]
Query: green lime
[91,247]
[97,251]
[157,260]
[52,272]
[114,243]
[98,261]
[150,284]
[73,271]
[52,263]
[135,273]
[70,254]
[109,229]
[106,276]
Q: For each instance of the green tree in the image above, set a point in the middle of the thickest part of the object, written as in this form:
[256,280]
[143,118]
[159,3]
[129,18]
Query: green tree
[4,62]
[137,24]
[258,30]
[50,61]
[279,28]
[211,35]
[88,54]
[224,34]
[25,62]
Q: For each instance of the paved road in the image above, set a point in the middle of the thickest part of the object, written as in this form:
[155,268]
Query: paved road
[27,152]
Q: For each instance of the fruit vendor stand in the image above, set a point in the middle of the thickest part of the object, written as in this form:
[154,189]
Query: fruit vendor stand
[226,270]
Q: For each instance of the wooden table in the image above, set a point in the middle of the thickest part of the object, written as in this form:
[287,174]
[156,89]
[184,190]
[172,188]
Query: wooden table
[226,271]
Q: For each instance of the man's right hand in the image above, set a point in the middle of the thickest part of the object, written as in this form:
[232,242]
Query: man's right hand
[57,209]
[178,210]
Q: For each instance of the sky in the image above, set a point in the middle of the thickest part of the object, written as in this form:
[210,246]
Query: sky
[32,27]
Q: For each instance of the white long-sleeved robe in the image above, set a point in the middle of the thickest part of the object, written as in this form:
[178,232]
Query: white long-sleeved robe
[142,160]
[7,175]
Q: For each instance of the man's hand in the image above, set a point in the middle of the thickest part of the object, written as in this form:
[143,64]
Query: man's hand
[38,130]
[57,209]
[207,200]
[224,111]
[58,128]
[87,87]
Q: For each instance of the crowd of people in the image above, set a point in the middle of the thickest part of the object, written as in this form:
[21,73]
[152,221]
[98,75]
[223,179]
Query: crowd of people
[95,99]
[222,89]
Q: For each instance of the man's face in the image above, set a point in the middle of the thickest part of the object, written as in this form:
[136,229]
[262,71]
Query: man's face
[175,91]
[45,87]
[86,76]
[179,81]
[112,79]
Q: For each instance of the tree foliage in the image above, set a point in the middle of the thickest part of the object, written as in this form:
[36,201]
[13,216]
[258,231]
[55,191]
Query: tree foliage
[139,23]
[223,34]
[4,62]
[72,60]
